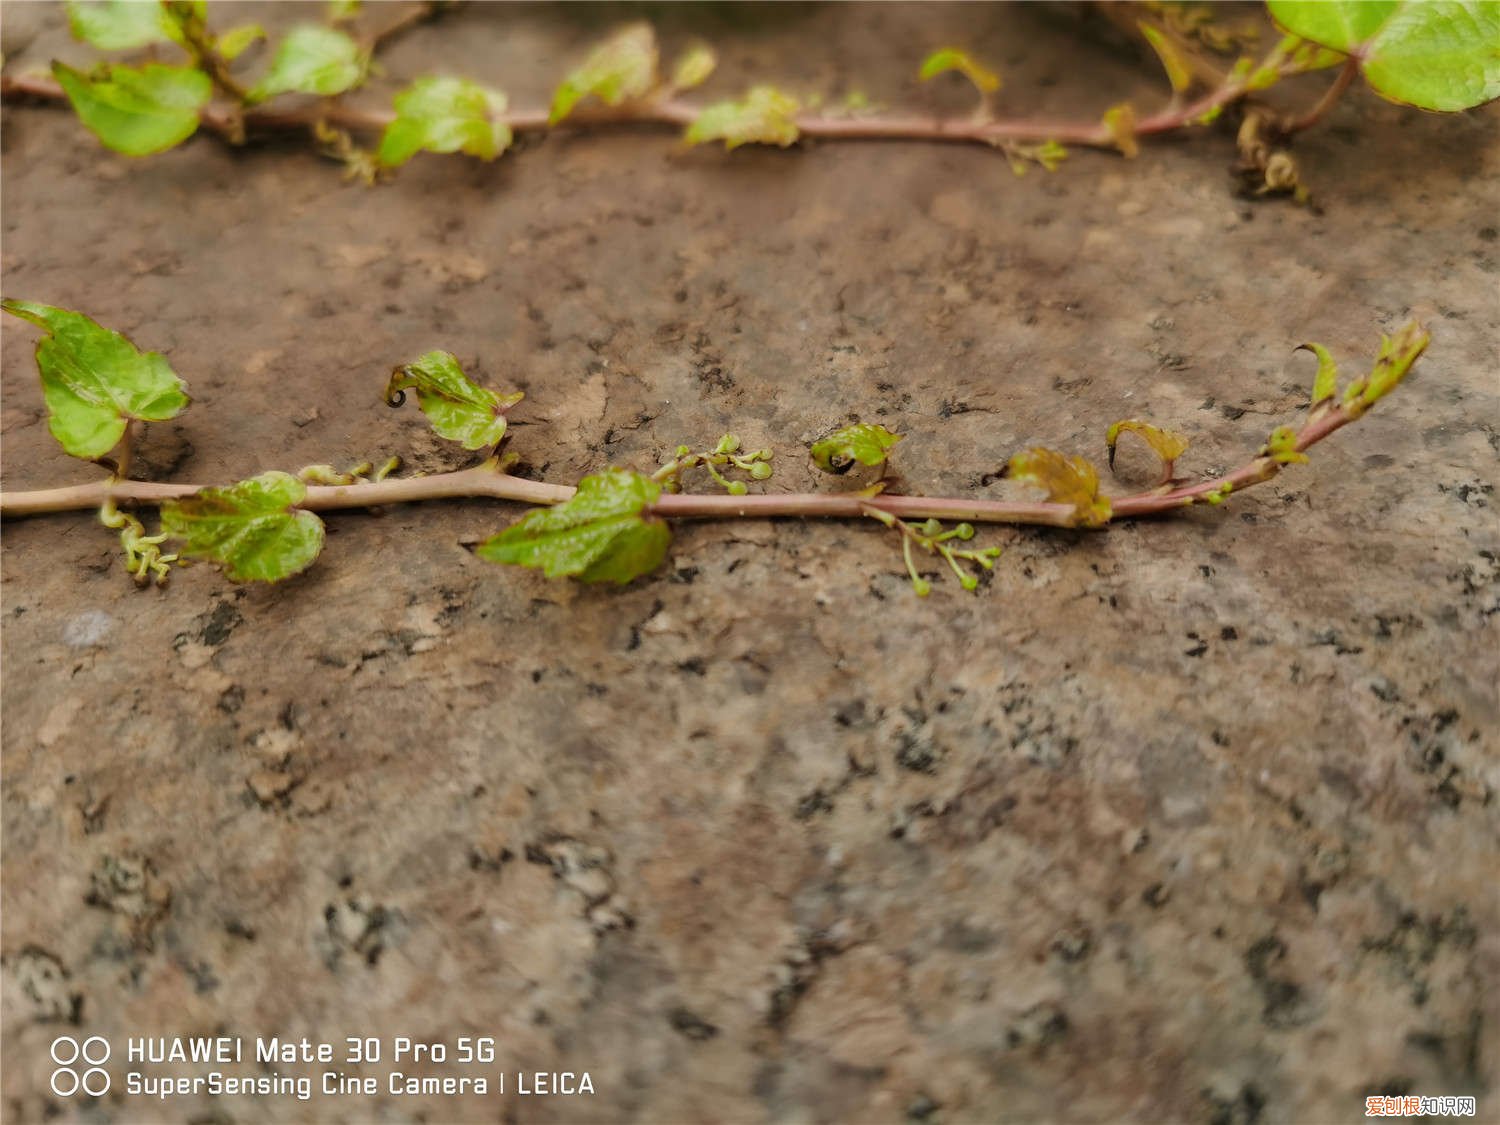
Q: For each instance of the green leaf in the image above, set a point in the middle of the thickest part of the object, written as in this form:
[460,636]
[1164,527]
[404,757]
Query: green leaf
[1434,54]
[137,111]
[765,116]
[313,60]
[341,11]
[1326,382]
[1166,444]
[865,442]
[252,529]
[457,408]
[693,67]
[604,533]
[445,115]
[237,40]
[95,380]
[122,25]
[621,68]
[1281,447]
[1396,356]
[1068,480]
[1173,61]
[944,59]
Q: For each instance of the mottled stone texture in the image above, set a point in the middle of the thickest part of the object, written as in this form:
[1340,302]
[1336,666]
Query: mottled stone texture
[1186,821]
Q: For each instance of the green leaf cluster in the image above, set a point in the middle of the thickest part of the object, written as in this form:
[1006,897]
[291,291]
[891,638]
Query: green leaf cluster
[252,529]
[459,409]
[95,381]
[764,116]
[313,60]
[865,442]
[620,69]
[604,533]
[445,115]
[137,110]
[1434,54]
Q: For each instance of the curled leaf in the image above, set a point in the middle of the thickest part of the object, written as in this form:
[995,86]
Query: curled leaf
[1326,382]
[694,67]
[604,533]
[1119,123]
[765,116]
[95,381]
[445,115]
[252,529]
[1068,480]
[313,60]
[866,442]
[944,59]
[1166,444]
[137,110]
[1397,354]
[620,69]
[1173,61]
[122,25]
[458,409]
[237,40]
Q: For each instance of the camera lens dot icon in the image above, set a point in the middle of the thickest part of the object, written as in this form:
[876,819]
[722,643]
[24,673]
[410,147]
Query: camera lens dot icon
[69,1078]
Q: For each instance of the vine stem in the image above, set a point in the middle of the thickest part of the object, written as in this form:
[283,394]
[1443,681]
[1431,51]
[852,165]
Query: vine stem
[678,114]
[487,480]
[1326,102]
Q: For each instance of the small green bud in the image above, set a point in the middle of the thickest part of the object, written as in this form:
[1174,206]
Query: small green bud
[736,488]
[760,471]
[964,531]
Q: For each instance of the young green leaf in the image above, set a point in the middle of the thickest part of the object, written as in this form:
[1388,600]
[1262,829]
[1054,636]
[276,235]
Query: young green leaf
[122,25]
[445,115]
[1397,354]
[252,529]
[1281,447]
[313,60]
[137,111]
[944,59]
[866,442]
[1068,480]
[620,69]
[1166,444]
[604,533]
[237,40]
[1434,54]
[458,409]
[95,381]
[1326,382]
[1119,123]
[1173,61]
[693,67]
[765,116]
[342,11]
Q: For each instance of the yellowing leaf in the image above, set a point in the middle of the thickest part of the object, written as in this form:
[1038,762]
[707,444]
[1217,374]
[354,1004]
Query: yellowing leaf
[313,60]
[694,67]
[252,529]
[765,116]
[604,533]
[445,115]
[95,381]
[137,111]
[1173,61]
[865,442]
[1166,444]
[944,59]
[620,69]
[1068,480]
[1119,122]
[458,409]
